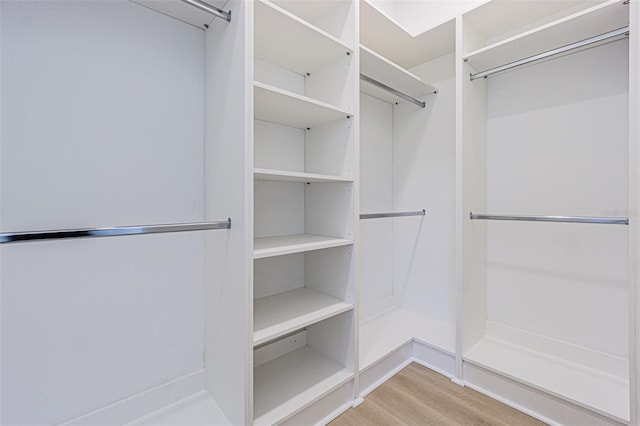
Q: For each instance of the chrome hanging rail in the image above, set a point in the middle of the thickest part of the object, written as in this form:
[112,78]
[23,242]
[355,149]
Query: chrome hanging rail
[396,214]
[392,90]
[14,237]
[564,219]
[212,10]
[577,45]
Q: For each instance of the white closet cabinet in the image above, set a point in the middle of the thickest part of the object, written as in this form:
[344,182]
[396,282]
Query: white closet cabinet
[545,319]
[407,163]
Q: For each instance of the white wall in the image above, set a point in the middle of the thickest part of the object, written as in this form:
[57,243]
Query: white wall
[102,125]
[557,137]
[424,178]
[376,196]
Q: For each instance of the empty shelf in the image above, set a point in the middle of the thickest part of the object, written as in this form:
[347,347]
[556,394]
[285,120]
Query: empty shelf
[597,20]
[385,333]
[286,176]
[292,381]
[587,387]
[381,69]
[277,315]
[288,244]
[291,109]
[283,39]
[197,410]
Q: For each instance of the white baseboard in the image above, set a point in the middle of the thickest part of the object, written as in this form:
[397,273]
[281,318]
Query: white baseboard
[133,407]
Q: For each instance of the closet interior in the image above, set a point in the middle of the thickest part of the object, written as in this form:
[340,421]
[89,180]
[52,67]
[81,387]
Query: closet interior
[362,190]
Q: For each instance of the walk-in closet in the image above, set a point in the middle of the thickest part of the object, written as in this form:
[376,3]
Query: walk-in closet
[259,211]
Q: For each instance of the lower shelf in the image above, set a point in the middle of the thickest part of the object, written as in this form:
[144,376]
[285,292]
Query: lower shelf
[197,410]
[390,330]
[595,390]
[292,382]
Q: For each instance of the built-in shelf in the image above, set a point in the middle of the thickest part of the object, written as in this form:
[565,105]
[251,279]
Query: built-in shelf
[283,39]
[197,410]
[284,385]
[286,176]
[291,109]
[288,244]
[387,332]
[590,388]
[597,20]
[280,314]
[382,34]
[386,72]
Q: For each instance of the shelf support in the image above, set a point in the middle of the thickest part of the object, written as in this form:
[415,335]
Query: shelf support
[392,214]
[212,10]
[15,237]
[392,90]
[563,219]
[621,32]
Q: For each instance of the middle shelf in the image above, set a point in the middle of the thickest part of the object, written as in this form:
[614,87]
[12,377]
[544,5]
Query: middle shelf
[280,314]
[288,244]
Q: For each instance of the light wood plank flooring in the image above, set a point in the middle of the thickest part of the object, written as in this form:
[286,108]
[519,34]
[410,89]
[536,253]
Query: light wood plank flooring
[417,396]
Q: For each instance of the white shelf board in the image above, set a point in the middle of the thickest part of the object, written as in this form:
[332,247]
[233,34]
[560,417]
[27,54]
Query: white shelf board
[275,105]
[197,410]
[587,23]
[383,70]
[280,314]
[287,176]
[382,335]
[382,34]
[283,39]
[295,380]
[587,387]
[298,243]
[185,12]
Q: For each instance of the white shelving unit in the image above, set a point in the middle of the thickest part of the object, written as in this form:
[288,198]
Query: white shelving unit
[304,145]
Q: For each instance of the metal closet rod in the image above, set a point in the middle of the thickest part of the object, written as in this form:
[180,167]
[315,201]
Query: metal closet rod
[565,219]
[559,50]
[392,90]
[212,10]
[392,214]
[15,237]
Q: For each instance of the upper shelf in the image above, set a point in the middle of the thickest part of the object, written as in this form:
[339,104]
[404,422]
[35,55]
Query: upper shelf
[383,70]
[283,39]
[597,20]
[183,11]
[383,35]
[281,106]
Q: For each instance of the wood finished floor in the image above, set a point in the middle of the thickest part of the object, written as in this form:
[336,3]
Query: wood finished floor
[417,396]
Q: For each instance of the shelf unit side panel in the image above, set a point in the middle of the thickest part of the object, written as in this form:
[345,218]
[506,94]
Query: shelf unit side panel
[229,177]
[334,338]
[330,210]
[473,180]
[331,83]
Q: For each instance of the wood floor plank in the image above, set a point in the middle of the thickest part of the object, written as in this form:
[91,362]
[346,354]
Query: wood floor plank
[417,396]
